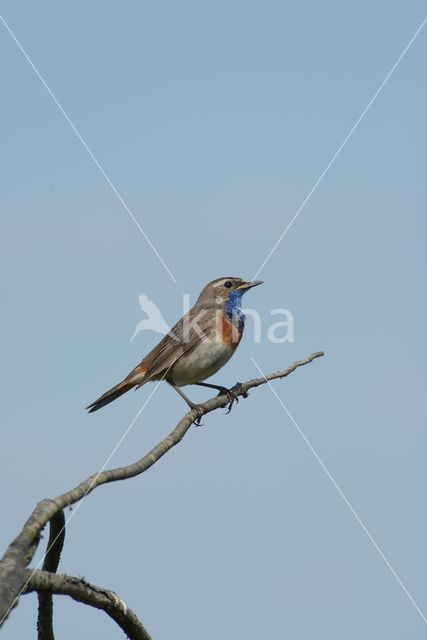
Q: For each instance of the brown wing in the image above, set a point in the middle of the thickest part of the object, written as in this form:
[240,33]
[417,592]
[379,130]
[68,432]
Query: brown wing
[197,324]
[182,338]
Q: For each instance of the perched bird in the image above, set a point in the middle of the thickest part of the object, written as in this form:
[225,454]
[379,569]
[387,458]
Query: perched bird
[196,347]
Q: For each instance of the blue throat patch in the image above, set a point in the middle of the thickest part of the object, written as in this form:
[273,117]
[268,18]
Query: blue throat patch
[234,311]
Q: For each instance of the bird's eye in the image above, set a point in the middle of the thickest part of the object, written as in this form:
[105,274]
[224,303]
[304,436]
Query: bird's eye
[228,284]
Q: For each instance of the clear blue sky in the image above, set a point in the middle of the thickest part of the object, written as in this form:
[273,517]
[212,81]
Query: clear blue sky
[213,121]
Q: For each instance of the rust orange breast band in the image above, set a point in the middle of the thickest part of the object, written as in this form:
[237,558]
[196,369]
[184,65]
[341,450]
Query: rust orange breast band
[229,332]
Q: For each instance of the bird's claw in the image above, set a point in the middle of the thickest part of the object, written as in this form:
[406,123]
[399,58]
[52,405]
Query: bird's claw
[232,397]
[200,413]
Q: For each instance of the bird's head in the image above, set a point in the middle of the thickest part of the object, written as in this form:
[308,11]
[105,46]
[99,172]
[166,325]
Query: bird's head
[224,289]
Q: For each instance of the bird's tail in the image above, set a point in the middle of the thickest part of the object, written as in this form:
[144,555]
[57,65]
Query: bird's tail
[111,395]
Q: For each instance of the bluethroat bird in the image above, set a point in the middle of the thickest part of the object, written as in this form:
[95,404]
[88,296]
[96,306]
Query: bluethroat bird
[196,347]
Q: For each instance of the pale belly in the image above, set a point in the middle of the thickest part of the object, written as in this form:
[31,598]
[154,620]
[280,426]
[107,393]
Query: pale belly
[205,360]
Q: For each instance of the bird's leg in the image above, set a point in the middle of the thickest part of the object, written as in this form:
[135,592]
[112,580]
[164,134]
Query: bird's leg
[190,404]
[232,397]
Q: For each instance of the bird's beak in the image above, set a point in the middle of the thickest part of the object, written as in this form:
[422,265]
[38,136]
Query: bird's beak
[249,285]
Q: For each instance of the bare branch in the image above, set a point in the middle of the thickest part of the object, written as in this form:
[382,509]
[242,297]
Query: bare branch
[47,583]
[17,557]
[51,563]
